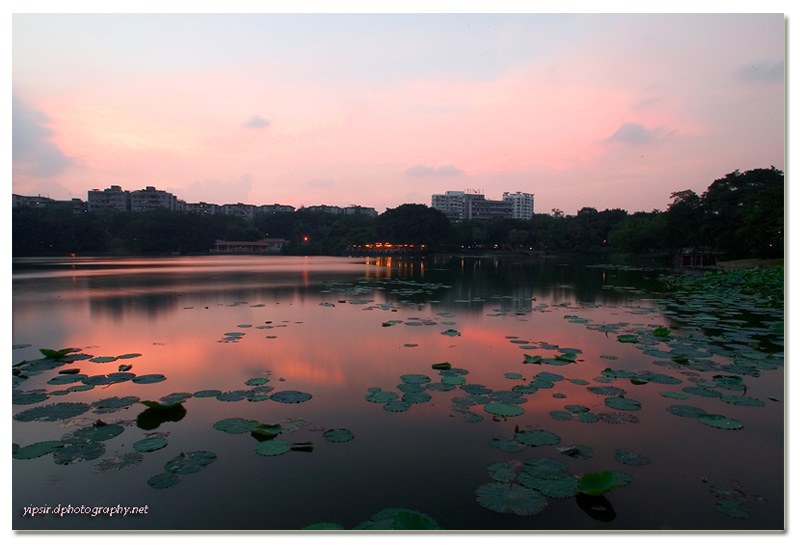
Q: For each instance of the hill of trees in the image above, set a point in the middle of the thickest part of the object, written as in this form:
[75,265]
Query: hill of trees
[740,215]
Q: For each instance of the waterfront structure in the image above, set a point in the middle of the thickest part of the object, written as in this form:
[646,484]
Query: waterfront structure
[522,204]
[114,198]
[451,204]
[262,246]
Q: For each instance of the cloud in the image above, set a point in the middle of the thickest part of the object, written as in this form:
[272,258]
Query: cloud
[30,142]
[444,171]
[634,134]
[216,191]
[256,122]
[763,72]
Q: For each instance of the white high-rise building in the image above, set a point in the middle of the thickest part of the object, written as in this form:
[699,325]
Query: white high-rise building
[522,203]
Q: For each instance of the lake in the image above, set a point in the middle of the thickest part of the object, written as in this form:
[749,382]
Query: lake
[463,393]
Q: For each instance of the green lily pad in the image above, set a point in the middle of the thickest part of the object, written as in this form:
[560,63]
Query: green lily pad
[399,519]
[103,359]
[441,366]
[78,452]
[338,435]
[623,404]
[381,396]
[674,395]
[513,376]
[719,421]
[149,379]
[93,433]
[744,401]
[273,447]
[506,444]
[234,395]
[536,438]
[686,411]
[150,444]
[598,483]
[36,450]
[396,406]
[501,472]
[118,462]
[290,396]
[256,381]
[27,398]
[627,338]
[510,498]
[207,393]
[630,458]
[66,379]
[126,357]
[190,462]
[563,486]
[415,379]
[532,359]
[451,333]
[732,508]
[52,412]
[163,480]
[235,425]
[112,404]
[503,409]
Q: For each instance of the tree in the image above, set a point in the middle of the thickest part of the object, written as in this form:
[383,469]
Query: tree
[415,224]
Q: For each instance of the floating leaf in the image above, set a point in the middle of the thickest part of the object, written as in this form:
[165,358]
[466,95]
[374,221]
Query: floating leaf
[119,462]
[52,412]
[36,450]
[536,438]
[561,486]
[743,401]
[515,376]
[112,404]
[207,393]
[380,396]
[732,508]
[149,379]
[27,398]
[598,483]
[623,404]
[150,444]
[190,462]
[630,458]
[273,447]
[503,409]
[627,338]
[415,379]
[256,381]
[163,480]
[290,396]
[103,359]
[338,435]
[507,444]
[606,390]
[399,519]
[440,366]
[235,395]
[451,333]
[580,452]
[719,421]
[397,406]
[501,472]
[235,425]
[78,452]
[510,498]
[532,359]
[93,433]
[687,411]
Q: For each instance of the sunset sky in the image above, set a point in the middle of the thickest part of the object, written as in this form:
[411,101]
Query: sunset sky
[607,111]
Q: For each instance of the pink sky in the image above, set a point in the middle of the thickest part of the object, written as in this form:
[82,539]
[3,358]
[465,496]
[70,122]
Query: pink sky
[607,111]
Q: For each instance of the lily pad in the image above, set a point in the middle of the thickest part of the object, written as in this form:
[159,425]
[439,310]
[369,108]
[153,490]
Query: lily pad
[563,486]
[163,480]
[506,444]
[503,409]
[732,508]
[598,483]
[451,333]
[235,425]
[52,412]
[623,404]
[149,379]
[118,462]
[630,458]
[338,435]
[207,393]
[720,421]
[381,396]
[190,462]
[415,379]
[290,396]
[396,406]
[536,438]
[150,444]
[93,433]
[510,498]
[27,398]
[112,404]
[686,411]
[36,450]
[273,447]
[78,452]
[501,472]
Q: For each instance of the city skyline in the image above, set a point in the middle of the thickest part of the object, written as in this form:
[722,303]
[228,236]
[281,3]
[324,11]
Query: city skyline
[602,111]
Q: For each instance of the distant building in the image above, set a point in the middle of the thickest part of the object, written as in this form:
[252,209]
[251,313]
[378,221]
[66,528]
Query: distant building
[150,198]
[463,206]
[242,210]
[201,208]
[522,205]
[262,246]
[356,210]
[325,208]
[451,204]
[274,208]
[114,198]
[35,202]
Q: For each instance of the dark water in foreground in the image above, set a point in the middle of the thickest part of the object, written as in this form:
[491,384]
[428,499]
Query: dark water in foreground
[593,358]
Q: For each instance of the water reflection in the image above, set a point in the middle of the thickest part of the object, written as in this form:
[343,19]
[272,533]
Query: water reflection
[534,335]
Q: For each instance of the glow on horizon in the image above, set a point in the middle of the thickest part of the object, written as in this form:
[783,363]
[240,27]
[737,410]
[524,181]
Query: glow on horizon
[607,111]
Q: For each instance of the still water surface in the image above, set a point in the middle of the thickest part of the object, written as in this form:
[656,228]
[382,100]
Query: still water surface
[354,340]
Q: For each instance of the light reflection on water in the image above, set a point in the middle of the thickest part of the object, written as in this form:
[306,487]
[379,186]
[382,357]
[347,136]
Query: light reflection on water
[319,325]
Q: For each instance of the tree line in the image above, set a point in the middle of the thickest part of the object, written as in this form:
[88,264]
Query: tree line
[740,215]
